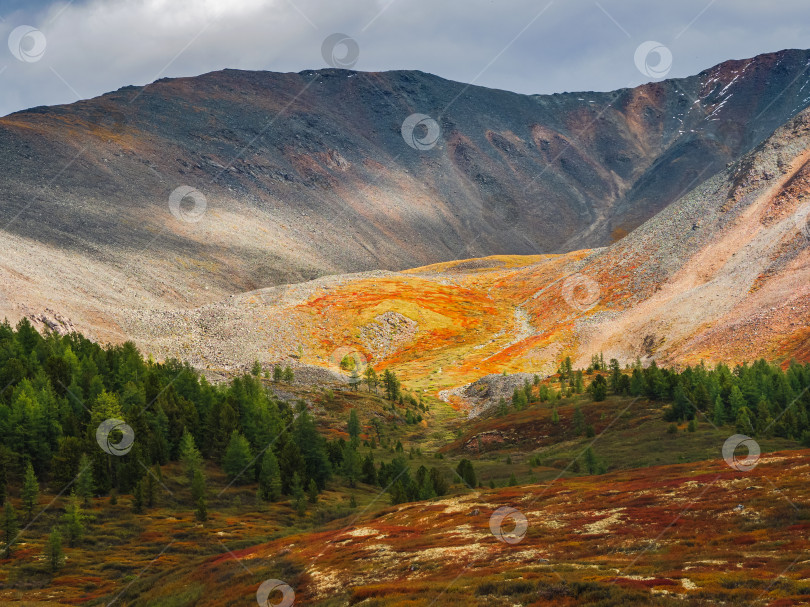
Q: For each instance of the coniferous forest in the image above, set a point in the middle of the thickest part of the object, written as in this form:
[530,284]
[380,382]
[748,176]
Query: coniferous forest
[58,390]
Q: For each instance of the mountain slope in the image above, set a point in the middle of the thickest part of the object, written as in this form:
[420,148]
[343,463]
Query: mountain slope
[721,274]
[307,174]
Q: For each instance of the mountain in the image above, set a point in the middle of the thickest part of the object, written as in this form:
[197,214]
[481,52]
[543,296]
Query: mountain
[722,274]
[308,174]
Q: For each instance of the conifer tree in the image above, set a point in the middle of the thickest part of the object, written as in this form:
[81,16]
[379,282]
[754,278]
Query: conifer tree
[54,555]
[353,427]
[313,449]
[30,491]
[3,481]
[269,477]
[201,512]
[579,421]
[370,376]
[238,458]
[137,498]
[189,454]
[351,464]
[354,380]
[11,529]
[84,480]
[579,382]
[466,473]
[598,388]
[615,375]
[369,471]
[590,461]
[149,490]
[312,492]
[198,489]
[73,520]
[736,401]
[297,491]
[719,413]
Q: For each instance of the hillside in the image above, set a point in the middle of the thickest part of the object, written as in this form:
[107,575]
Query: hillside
[308,174]
[195,495]
[720,275]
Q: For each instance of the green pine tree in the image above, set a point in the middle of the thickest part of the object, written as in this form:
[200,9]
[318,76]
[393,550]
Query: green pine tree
[11,529]
[368,472]
[466,473]
[149,490]
[370,376]
[591,463]
[269,477]
[190,456]
[198,489]
[201,512]
[353,427]
[579,421]
[73,520]
[30,491]
[598,388]
[53,550]
[297,491]
[719,414]
[736,402]
[84,480]
[3,482]
[743,421]
[237,462]
[312,492]
[351,466]
[137,498]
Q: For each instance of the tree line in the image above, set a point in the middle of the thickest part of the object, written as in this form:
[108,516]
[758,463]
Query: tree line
[56,392]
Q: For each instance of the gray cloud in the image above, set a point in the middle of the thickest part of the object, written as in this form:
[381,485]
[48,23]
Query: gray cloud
[96,46]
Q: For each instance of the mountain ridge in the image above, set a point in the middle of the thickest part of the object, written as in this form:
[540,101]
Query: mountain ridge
[306,182]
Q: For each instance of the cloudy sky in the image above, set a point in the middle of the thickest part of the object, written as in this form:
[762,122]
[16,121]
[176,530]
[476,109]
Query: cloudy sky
[61,51]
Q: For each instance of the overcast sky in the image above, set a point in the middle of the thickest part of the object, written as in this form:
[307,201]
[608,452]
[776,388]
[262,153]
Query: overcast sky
[89,47]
